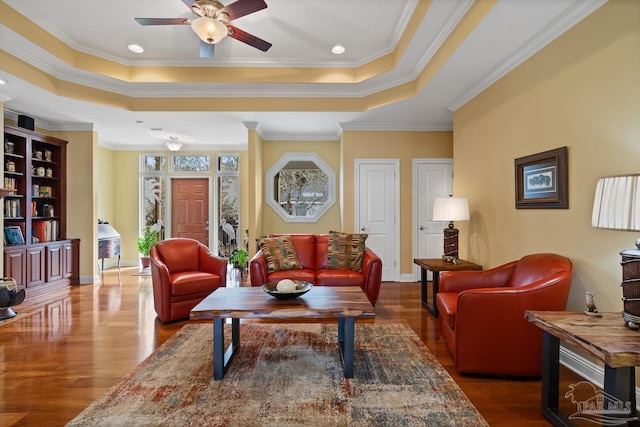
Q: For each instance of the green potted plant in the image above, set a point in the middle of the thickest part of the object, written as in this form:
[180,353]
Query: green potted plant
[239,258]
[145,243]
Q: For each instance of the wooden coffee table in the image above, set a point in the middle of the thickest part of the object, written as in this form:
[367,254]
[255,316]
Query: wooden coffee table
[344,303]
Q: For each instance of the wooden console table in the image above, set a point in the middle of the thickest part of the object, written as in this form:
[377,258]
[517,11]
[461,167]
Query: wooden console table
[607,338]
[436,265]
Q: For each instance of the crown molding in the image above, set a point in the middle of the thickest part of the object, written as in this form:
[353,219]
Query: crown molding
[574,14]
[396,127]
[51,126]
[443,34]
[162,148]
[303,136]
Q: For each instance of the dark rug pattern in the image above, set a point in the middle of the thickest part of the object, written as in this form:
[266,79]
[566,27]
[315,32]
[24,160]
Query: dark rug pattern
[287,375]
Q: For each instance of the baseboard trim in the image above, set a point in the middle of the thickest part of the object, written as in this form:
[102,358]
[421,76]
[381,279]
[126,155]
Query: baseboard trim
[587,369]
[407,278]
[89,280]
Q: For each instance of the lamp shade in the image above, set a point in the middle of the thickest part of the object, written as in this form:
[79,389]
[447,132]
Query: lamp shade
[616,204]
[451,209]
[209,30]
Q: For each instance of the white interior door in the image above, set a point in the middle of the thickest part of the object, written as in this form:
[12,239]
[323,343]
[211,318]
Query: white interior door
[431,178]
[377,210]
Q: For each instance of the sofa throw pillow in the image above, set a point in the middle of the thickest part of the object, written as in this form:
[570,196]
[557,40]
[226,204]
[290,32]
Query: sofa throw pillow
[279,253]
[345,251]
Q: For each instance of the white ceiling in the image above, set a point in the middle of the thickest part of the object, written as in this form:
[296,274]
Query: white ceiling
[302,33]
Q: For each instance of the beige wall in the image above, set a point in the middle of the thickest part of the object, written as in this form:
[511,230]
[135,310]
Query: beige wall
[582,91]
[260,217]
[107,193]
[82,197]
[272,152]
[254,186]
[404,146]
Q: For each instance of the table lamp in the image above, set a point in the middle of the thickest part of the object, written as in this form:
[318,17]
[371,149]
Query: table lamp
[616,206]
[451,209]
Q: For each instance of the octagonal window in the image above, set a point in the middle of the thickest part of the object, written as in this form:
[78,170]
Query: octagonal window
[301,187]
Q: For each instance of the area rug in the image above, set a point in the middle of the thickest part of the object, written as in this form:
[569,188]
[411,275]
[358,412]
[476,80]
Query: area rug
[287,375]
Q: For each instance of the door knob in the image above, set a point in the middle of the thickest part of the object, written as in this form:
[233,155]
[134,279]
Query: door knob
[363,228]
[206,228]
[421,228]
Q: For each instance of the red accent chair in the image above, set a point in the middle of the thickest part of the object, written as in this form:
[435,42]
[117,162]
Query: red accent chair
[482,313]
[184,272]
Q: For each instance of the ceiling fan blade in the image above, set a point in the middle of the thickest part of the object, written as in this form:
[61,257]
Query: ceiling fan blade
[250,39]
[242,7]
[163,21]
[207,50]
[189,3]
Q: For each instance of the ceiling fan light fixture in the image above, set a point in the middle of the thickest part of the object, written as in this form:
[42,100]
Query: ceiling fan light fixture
[209,30]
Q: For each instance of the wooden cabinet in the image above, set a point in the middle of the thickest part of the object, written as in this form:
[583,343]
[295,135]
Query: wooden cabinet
[15,265]
[38,254]
[631,286]
[35,266]
[54,258]
[69,260]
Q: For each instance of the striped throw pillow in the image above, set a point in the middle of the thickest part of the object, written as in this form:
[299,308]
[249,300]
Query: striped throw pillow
[280,254]
[346,251]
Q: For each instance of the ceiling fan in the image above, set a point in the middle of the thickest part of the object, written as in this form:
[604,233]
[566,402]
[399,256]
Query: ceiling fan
[211,23]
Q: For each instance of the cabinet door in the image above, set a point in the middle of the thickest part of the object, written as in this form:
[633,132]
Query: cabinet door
[35,266]
[54,262]
[67,260]
[15,266]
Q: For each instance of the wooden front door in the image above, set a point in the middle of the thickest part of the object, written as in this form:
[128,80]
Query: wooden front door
[190,208]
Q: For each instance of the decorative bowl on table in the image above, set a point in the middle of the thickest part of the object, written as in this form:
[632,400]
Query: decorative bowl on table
[287,289]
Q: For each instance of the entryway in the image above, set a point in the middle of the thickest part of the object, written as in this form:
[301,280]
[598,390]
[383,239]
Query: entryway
[190,208]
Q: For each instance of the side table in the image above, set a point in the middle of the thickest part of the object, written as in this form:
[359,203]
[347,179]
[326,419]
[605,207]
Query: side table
[436,265]
[609,340]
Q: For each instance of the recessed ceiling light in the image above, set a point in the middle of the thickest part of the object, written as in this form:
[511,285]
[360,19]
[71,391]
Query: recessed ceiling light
[338,49]
[136,48]
[3,82]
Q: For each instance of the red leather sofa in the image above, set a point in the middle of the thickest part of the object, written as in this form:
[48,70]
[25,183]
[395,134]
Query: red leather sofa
[184,272]
[482,313]
[311,250]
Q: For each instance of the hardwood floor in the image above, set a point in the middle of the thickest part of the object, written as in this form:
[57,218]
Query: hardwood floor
[73,345]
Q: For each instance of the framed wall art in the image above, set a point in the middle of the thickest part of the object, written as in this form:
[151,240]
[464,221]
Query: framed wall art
[542,180]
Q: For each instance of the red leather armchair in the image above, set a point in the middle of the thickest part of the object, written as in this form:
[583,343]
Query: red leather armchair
[184,272]
[482,313]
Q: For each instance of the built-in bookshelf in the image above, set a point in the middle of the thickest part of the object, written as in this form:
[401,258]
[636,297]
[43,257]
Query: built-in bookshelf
[38,254]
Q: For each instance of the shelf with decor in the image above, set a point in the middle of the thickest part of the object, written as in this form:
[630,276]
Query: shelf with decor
[37,252]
